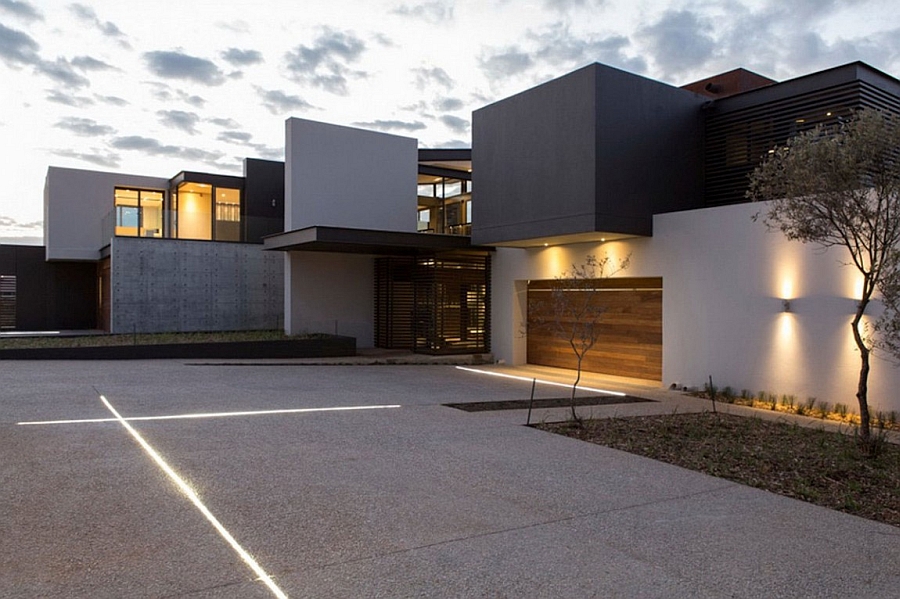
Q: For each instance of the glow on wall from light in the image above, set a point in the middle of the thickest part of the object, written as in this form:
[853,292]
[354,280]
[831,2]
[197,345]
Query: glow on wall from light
[786,357]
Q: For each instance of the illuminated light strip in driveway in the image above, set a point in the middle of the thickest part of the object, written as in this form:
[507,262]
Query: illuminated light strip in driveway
[541,381]
[211,415]
[192,495]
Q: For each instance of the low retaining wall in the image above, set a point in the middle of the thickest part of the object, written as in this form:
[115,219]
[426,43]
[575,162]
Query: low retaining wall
[324,347]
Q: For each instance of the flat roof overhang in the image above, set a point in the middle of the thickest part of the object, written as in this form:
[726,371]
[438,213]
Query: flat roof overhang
[366,241]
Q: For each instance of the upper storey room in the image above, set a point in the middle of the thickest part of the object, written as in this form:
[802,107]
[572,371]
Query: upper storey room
[593,155]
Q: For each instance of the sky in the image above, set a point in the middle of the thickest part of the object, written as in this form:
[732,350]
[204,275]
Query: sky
[154,88]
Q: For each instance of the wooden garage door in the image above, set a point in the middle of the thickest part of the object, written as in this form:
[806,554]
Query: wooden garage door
[630,332]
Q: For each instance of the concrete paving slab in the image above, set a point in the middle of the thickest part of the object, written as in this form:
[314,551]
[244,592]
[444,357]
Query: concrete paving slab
[416,501]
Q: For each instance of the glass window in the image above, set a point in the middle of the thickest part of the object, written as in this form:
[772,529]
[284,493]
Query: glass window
[228,214]
[194,211]
[151,214]
[139,213]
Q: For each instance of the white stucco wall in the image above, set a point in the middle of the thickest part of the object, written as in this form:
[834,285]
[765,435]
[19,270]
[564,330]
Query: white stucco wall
[724,279]
[345,177]
[330,293]
[75,203]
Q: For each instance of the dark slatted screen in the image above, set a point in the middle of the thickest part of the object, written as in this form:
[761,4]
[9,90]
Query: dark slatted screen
[7,301]
[736,141]
[436,303]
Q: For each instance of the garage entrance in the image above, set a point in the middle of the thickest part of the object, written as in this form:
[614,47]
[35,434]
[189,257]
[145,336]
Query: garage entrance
[630,331]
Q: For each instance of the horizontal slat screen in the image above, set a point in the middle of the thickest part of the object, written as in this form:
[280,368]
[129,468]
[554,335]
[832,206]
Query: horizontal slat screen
[735,142]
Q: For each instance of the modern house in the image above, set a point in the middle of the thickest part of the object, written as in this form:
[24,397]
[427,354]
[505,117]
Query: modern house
[362,233]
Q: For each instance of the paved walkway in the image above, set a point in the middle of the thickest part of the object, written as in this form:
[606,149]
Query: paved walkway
[313,475]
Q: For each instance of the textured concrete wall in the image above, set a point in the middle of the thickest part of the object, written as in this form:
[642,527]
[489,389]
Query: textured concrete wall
[166,285]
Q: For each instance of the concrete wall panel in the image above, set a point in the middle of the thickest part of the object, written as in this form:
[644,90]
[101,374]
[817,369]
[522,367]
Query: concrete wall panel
[179,285]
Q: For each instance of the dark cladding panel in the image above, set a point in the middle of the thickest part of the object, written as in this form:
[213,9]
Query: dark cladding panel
[263,198]
[50,295]
[598,150]
[533,158]
[648,151]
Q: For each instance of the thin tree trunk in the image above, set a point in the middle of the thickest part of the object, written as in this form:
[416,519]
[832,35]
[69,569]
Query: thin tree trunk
[862,387]
[575,386]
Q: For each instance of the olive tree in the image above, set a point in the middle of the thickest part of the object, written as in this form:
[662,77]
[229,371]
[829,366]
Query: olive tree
[838,185]
[574,310]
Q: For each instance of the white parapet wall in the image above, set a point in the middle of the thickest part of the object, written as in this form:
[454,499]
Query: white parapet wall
[346,177]
[725,282]
[76,202]
[170,285]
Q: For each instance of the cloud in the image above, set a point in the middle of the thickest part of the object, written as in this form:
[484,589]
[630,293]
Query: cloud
[265,151]
[98,157]
[17,48]
[86,13]
[153,147]
[240,57]
[21,9]
[165,93]
[432,76]
[452,144]
[84,127]
[8,222]
[235,137]
[391,125]
[89,63]
[59,97]
[679,41]
[113,100]
[506,63]
[556,46]
[178,65]
[225,123]
[448,104]
[278,102]
[193,100]
[566,5]
[325,64]
[179,119]
[454,123]
[431,12]
[234,26]
[62,72]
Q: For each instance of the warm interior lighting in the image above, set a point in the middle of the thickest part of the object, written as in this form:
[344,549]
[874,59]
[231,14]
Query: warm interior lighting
[603,240]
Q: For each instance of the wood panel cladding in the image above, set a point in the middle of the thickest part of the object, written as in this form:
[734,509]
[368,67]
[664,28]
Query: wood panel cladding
[630,331]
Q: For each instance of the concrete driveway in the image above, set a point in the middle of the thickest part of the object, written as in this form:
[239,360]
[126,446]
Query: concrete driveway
[412,501]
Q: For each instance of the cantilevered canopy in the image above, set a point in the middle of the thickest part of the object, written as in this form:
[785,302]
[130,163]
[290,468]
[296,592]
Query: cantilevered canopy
[365,241]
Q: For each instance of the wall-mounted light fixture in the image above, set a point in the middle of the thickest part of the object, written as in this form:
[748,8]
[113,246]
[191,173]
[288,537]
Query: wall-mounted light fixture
[785,305]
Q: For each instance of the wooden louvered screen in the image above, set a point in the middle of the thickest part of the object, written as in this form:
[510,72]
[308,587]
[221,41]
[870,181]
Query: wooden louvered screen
[7,301]
[629,339]
[435,303]
[394,301]
[736,141]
